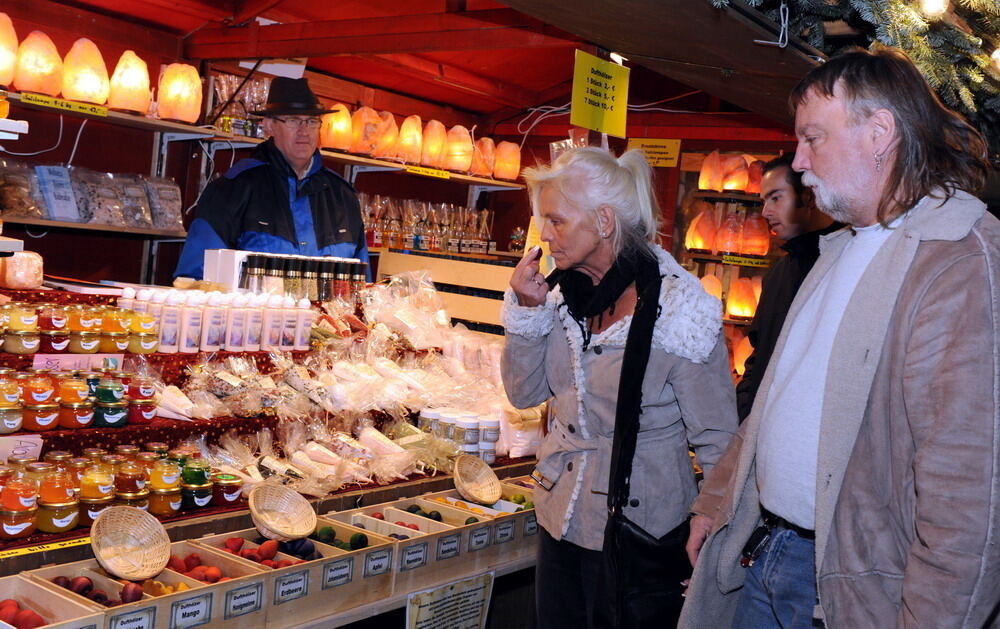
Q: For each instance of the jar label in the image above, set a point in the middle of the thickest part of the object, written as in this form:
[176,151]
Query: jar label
[338,572]
[45,420]
[66,522]
[28,320]
[378,562]
[140,483]
[89,344]
[27,501]
[14,529]
[232,496]
[85,419]
[11,422]
[146,325]
[121,345]
[176,505]
[170,479]
[113,417]
[58,322]
[30,343]
[118,393]
[148,344]
[148,414]
[86,323]
[201,502]
[59,346]
[146,392]
[41,397]
[105,489]
[93,513]
[11,397]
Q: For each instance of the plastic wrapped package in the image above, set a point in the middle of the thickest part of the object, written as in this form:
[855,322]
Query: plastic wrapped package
[165,202]
[19,191]
[23,270]
[135,201]
[520,430]
[98,198]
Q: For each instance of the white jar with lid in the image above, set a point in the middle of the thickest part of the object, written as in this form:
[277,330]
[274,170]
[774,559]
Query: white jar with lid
[446,424]
[489,428]
[488,452]
[428,420]
[469,448]
[466,429]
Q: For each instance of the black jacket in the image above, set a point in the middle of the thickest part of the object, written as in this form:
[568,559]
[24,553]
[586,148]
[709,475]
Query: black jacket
[779,289]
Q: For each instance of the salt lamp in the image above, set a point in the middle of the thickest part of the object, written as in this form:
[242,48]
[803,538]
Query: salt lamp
[458,155]
[735,175]
[740,303]
[336,129]
[755,171]
[434,143]
[508,161]
[483,157]
[130,84]
[179,93]
[710,176]
[729,235]
[756,238]
[758,286]
[700,235]
[741,351]
[410,141]
[85,77]
[8,50]
[712,286]
[364,123]
[385,136]
[39,66]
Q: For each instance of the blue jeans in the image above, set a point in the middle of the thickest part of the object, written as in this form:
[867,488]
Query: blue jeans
[780,589]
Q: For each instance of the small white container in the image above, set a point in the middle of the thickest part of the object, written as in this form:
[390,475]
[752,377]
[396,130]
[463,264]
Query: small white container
[273,324]
[428,420]
[446,424]
[489,428]
[470,449]
[488,452]
[303,327]
[466,430]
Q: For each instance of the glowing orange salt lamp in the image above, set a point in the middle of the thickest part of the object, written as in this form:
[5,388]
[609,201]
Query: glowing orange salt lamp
[85,77]
[508,161]
[741,351]
[700,235]
[712,286]
[741,303]
[365,123]
[434,143]
[755,171]
[458,155]
[410,141]
[728,238]
[335,132]
[39,66]
[179,93]
[130,84]
[385,136]
[756,237]
[710,176]
[758,286]
[735,175]
[8,50]
[483,157]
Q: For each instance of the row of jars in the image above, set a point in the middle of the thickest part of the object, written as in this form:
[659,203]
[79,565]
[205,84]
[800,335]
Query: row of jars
[63,492]
[43,342]
[24,317]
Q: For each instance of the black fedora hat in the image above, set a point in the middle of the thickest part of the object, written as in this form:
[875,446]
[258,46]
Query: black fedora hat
[291,97]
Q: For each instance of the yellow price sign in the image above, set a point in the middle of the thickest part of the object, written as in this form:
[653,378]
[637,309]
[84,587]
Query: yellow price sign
[27,550]
[64,105]
[659,153]
[428,172]
[600,95]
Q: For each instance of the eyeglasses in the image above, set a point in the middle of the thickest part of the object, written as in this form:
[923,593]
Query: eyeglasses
[297,123]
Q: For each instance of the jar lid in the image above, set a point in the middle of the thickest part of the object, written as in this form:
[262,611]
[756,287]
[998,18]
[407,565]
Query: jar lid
[95,451]
[207,485]
[23,376]
[40,466]
[115,334]
[22,332]
[165,492]
[142,400]
[148,456]
[58,505]
[112,404]
[54,333]
[226,479]
[77,404]
[23,459]
[132,495]
[106,500]
[58,455]
[468,424]
[10,407]
[126,447]
[156,445]
[87,334]
[24,512]
[113,458]
[80,462]
[41,407]
[145,335]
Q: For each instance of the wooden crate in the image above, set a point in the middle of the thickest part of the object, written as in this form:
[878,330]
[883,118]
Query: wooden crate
[61,612]
[240,601]
[356,577]
[515,531]
[475,549]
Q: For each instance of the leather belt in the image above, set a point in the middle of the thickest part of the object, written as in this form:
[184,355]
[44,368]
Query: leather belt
[772,521]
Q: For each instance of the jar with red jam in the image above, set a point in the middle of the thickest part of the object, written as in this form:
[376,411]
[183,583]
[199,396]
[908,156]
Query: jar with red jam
[53,342]
[90,508]
[141,388]
[130,478]
[226,490]
[17,524]
[76,415]
[141,412]
[52,318]
[40,417]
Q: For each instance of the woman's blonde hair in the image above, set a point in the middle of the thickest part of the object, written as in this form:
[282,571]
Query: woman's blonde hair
[590,178]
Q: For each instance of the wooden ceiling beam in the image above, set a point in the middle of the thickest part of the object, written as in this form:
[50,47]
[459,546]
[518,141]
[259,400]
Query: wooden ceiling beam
[247,10]
[472,30]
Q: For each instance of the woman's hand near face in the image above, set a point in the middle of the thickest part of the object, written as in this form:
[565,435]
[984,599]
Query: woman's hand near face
[527,282]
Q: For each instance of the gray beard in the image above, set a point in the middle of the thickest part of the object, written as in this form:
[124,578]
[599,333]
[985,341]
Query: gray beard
[837,208]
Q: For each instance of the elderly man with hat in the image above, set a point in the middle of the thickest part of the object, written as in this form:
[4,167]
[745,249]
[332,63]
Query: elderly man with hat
[281,199]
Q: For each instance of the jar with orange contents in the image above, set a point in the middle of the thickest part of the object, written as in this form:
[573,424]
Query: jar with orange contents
[19,494]
[96,483]
[17,524]
[73,390]
[116,320]
[59,458]
[36,471]
[165,502]
[97,316]
[56,487]
[77,467]
[113,343]
[113,461]
[94,454]
[127,450]
[77,415]
[79,319]
[136,500]
[5,475]
[19,462]
[166,474]
[38,389]
[40,417]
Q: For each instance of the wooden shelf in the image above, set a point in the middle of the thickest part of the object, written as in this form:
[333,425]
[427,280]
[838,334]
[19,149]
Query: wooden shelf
[736,321]
[137,231]
[729,197]
[756,263]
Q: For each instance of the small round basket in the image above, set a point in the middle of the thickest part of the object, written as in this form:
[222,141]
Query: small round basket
[476,481]
[281,513]
[129,543]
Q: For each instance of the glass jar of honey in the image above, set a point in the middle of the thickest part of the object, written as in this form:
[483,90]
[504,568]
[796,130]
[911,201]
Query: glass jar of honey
[110,415]
[83,342]
[5,475]
[97,482]
[80,319]
[10,419]
[53,342]
[59,458]
[147,460]
[113,343]
[10,391]
[159,448]
[94,454]
[19,494]
[143,323]
[113,462]
[73,390]
[97,317]
[19,462]
[130,478]
[137,499]
[17,524]
[56,487]
[36,471]
[77,415]
[141,388]
[52,318]
[166,474]
[127,450]
[22,318]
[90,508]
[21,342]
[40,417]
[196,471]
[195,496]
[38,389]
[165,502]
[116,320]
[77,467]
[143,343]
[110,390]
[141,412]
[226,490]
[57,517]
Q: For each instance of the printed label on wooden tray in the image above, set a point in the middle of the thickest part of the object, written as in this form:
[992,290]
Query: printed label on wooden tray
[530,525]
[505,532]
[63,105]
[137,619]
[378,562]
[340,572]
[191,612]
[244,600]
[291,586]
[413,556]
[449,546]
[479,538]
[428,172]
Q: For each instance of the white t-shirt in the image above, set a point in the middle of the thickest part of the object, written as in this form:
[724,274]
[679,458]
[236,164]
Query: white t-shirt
[788,443]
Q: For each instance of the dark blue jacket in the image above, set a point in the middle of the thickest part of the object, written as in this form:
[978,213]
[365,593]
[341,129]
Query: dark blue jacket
[261,205]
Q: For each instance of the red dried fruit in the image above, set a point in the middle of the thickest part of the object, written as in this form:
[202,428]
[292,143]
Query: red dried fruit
[28,619]
[177,564]
[191,561]
[268,549]
[234,544]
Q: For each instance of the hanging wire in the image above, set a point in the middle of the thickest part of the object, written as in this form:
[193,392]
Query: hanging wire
[51,148]
[76,143]
[783,33]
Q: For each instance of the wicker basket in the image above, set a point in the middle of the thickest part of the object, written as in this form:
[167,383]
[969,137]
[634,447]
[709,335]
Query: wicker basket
[281,513]
[476,481]
[129,543]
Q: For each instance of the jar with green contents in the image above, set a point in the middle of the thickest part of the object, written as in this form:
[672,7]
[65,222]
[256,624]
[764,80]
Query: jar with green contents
[196,471]
[57,517]
[110,415]
[195,496]
[110,391]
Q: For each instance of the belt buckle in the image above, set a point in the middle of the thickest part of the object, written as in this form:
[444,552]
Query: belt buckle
[542,481]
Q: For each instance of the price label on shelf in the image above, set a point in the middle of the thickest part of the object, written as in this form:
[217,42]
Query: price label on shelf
[27,550]
[42,100]
[244,600]
[449,546]
[428,172]
[744,261]
[338,572]
[291,586]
